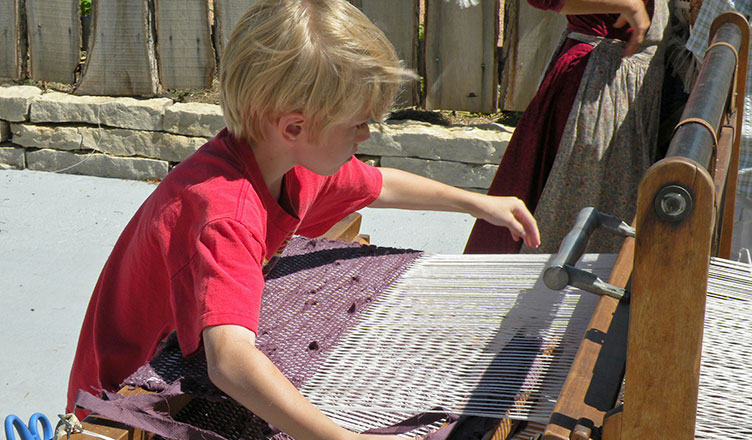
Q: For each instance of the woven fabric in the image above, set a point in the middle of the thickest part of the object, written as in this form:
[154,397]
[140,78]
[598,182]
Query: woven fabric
[315,293]
[698,44]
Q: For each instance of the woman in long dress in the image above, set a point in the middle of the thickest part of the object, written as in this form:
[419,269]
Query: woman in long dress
[590,132]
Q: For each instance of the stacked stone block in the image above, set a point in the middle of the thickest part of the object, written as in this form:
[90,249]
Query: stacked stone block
[142,139]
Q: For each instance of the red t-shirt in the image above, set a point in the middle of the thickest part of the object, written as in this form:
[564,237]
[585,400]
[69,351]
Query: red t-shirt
[193,255]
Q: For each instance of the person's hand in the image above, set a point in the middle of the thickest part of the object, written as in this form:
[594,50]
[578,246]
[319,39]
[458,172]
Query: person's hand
[511,213]
[637,17]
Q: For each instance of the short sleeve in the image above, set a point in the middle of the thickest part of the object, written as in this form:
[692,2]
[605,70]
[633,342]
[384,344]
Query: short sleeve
[355,186]
[549,5]
[222,284]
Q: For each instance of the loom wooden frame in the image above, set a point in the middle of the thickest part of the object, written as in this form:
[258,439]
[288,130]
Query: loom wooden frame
[668,263]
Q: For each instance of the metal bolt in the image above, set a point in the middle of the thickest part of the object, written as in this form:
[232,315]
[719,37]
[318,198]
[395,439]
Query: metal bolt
[673,204]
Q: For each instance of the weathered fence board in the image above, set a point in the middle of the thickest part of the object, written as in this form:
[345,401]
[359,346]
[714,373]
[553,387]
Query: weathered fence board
[227,14]
[398,19]
[12,40]
[121,61]
[54,39]
[461,66]
[184,47]
[531,37]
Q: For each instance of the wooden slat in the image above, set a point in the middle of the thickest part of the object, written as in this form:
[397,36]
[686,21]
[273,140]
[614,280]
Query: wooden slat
[729,199]
[721,176]
[12,41]
[667,307]
[227,14]
[461,65]
[593,381]
[114,430]
[398,19]
[121,61]
[346,229]
[54,39]
[530,39]
[186,54]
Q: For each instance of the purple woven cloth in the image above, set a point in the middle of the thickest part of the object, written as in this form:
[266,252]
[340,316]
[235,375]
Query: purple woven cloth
[317,291]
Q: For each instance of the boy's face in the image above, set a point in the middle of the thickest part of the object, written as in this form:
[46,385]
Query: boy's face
[336,146]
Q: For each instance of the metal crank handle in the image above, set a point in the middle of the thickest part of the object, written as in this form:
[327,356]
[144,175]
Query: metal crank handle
[561,272]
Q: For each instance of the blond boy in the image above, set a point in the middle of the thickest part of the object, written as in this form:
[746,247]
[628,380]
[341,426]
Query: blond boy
[300,80]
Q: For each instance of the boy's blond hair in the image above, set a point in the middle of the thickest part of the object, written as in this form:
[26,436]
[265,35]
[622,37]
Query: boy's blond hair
[322,58]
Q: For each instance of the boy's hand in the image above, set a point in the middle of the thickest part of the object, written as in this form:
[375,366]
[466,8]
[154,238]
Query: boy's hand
[400,189]
[511,213]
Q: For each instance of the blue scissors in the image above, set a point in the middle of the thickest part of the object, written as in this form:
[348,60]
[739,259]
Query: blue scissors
[30,432]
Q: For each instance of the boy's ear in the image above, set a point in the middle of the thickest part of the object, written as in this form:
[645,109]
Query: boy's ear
[291,126]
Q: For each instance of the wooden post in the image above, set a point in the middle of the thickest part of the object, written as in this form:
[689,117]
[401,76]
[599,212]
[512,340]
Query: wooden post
[12,40]
[186,54]
[121,61]
[398,19]
[54,39]
[227,13]
[530,38]
[667,309]
[461,66]
[737,117]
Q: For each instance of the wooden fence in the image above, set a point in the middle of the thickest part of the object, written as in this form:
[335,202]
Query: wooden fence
[141,47]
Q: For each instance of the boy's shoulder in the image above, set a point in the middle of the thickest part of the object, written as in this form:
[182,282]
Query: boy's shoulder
[211,182]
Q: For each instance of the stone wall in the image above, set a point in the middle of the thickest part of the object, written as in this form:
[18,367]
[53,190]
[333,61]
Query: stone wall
[142,139]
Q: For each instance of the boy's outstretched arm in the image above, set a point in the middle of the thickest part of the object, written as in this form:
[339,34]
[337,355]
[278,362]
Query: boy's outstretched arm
[239,369]
[404,190]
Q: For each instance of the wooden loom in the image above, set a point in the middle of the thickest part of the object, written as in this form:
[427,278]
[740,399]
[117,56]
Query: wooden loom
[668,266]
[684,216]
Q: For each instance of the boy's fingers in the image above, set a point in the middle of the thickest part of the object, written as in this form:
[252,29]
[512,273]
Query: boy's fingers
[530,228]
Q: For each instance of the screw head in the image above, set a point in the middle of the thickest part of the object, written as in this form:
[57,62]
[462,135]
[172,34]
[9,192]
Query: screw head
[673,203]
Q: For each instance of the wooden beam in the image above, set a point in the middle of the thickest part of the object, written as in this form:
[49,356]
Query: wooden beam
[346,229]
[737,115]
[592,384]
[667,308]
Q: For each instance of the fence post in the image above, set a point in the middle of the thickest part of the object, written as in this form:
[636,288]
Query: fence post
[461,66]
[12,39]
[121,61]
[54,39]
[398,19]
[530,38]
[184,47]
